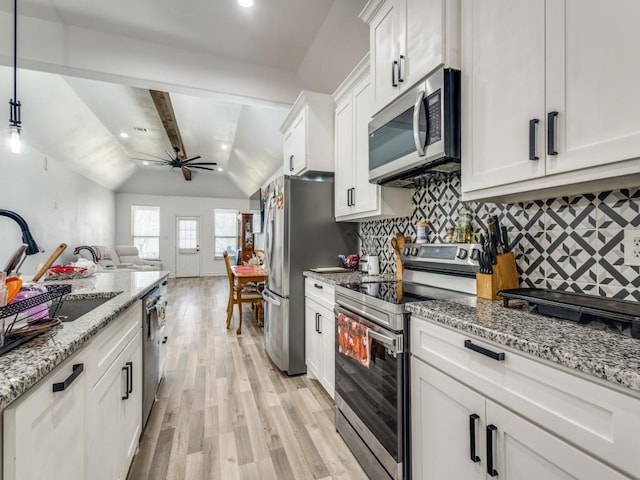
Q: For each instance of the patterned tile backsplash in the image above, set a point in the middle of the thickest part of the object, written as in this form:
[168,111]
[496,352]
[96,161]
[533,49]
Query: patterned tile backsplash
[572,243]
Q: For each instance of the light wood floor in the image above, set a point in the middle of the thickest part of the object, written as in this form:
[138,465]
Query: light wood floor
[225,412]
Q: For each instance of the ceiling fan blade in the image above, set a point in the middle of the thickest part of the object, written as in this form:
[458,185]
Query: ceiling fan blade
[171,156]
[191,159]
[201,168]
[151,162]
[187,174]
[202,163]
[148,155]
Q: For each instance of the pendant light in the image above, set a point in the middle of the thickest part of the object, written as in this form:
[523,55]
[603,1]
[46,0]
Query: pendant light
[15,122]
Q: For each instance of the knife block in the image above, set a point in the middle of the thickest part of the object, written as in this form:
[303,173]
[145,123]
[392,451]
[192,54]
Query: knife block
[504,276]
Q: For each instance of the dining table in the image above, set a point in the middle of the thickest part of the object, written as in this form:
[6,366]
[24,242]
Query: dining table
[242,275]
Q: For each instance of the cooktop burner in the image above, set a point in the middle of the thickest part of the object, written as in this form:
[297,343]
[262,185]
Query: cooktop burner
[387,291]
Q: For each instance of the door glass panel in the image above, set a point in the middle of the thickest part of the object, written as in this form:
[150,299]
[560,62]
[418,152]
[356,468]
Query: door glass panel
[188,234]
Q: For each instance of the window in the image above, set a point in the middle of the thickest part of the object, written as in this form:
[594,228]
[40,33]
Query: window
[145,227]
[226,232]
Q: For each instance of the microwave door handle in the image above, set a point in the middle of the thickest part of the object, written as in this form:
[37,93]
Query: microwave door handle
[417,109]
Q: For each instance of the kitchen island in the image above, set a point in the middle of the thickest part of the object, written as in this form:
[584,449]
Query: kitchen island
[23,367]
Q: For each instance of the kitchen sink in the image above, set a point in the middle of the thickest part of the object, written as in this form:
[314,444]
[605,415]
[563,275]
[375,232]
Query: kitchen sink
[75,308]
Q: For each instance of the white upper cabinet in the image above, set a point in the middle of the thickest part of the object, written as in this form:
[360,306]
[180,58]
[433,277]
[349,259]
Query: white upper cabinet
[593,75]
[308,134]
[503,90]
[355,197]
[549,94]
[408,40]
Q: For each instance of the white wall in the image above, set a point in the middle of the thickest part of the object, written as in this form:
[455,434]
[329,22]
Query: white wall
[59,206]
[170,208]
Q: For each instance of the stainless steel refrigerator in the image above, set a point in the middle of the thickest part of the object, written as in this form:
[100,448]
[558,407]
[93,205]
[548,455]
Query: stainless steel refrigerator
[300,233]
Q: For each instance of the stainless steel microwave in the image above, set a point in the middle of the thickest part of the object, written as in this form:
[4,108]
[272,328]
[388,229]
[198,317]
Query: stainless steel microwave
[419,134]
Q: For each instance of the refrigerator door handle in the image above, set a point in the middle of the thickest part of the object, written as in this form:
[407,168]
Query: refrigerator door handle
[268,224]
[269,299]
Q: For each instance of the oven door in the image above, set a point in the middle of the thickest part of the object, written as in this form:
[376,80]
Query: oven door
[373,399]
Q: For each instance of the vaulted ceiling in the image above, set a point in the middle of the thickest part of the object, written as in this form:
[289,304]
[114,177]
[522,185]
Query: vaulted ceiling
[80,120]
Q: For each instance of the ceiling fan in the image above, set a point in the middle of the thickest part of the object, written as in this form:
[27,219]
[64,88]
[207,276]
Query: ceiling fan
[179,158]
[175,161]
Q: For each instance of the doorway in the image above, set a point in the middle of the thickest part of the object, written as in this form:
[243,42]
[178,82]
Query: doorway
[187,246]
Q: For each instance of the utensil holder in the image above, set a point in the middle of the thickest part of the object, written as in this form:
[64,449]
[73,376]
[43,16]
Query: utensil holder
[504,276]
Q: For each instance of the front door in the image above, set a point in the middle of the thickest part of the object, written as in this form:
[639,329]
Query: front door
[188,246]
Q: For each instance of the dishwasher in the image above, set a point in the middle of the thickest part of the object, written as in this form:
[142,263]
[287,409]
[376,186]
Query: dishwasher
[152,319]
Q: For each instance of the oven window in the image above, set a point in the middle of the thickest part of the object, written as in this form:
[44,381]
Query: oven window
[374,393]
[395,139]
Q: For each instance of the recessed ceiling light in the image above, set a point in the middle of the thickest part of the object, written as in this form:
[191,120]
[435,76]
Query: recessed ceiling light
[224,146]
[245,3]
[145,163]
[124,135]
[219,169]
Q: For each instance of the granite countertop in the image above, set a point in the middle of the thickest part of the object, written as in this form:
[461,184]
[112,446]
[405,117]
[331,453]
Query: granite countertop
[24,366]
[348,277]
[605,354]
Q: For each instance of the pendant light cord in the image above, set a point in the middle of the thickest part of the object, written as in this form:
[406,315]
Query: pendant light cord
[14,119]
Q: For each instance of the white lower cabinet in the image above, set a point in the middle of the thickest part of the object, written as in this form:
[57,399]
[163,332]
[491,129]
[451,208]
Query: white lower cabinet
[474,416]
[44,430]
[115,415]
[458,433]
[320,333]
[84,419]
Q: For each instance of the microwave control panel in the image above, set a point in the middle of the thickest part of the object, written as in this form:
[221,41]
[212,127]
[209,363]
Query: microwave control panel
[434,117]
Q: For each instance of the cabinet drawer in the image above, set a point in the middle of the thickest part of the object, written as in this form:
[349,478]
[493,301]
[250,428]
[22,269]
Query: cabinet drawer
[599,419]
[321,292]
[112,340]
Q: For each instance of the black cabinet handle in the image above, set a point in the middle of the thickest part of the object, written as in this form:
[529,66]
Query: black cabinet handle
[551,133]
[317,286]
[125,369]
[533,127]
[291,163]
[484,351]
[394,66]
[353,197]
[348,197]
[319,323]
[490,470]
[473,418]
[77,369]
[401,68]
[130,377]
[164,340]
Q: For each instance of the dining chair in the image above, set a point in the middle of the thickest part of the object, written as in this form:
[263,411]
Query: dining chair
[249,295]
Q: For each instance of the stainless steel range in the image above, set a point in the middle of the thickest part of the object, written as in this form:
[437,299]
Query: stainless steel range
[372,403]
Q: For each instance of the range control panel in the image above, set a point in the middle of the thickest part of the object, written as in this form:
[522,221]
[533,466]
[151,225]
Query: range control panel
[441,253]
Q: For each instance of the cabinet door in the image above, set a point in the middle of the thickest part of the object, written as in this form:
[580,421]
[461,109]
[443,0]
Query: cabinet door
[423,38]
[592,82]
[327,332]
[441,410]
[367,194]
[524,451]
[384,33]
[132,406]
[104,445]
[344,180]
[299,145]
[288,150]
[44,431]
[312,338]
[503,68]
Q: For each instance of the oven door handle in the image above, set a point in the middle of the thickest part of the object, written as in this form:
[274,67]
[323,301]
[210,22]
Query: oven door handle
[393,342]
